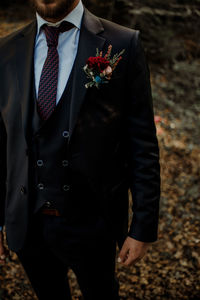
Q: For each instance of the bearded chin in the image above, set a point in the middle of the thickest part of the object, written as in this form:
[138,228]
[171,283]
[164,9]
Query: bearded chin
[55,12]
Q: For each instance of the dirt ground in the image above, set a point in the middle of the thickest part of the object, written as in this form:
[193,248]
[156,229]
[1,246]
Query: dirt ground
[171,269]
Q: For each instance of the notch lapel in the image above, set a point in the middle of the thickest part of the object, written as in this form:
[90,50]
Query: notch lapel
[24,64]
[88,43]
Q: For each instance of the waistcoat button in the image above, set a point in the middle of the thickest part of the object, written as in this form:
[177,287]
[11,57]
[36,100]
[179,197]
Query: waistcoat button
[65,163]
[47,204]
[66,187]
[40,186]
[65,134]
[40,163]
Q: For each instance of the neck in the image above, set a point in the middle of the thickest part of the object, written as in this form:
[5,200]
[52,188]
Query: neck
[55,20]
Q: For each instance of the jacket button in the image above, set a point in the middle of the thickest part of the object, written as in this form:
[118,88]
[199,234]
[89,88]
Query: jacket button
[65,134]
[40,163]
[40,186]
[65,163]
[66,187]
[23,190]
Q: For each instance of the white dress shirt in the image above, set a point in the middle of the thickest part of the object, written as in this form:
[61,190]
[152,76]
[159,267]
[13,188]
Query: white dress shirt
[67,48]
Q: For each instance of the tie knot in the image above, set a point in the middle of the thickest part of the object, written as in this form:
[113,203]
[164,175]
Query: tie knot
[52,32]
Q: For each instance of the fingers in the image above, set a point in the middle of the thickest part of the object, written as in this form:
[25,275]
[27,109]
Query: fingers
[131,260]
[4,253]
[123,255]
[127,257]
[2,260]
[132,251]
[2,256]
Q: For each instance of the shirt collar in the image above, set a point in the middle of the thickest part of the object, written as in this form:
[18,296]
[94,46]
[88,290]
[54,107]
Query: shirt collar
[74,17]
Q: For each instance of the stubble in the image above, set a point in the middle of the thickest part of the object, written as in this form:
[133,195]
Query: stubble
[52,9]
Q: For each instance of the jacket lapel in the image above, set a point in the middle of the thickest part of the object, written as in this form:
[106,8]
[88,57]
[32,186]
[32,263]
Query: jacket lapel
[88,43]
[24,64]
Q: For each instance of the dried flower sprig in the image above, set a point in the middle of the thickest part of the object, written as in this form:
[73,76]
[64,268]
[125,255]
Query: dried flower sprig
[99,69]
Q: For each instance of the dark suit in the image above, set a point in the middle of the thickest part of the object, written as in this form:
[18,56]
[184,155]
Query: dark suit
[112,130]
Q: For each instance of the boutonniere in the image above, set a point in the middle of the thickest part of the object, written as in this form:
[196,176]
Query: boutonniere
[99,69]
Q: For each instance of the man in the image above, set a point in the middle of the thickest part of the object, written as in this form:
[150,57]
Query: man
[69,154]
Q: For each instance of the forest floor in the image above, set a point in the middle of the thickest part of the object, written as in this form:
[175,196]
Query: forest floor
[171,269]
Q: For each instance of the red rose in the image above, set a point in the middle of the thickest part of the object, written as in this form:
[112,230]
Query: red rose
[98,64]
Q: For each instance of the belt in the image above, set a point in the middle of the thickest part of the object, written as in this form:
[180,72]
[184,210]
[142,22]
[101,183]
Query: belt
[50,212]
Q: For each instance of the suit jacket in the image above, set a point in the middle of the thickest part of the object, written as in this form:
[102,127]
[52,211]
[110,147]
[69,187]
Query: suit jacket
[112,130]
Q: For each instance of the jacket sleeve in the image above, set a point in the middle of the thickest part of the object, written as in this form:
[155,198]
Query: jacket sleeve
[142,147]
[3,143]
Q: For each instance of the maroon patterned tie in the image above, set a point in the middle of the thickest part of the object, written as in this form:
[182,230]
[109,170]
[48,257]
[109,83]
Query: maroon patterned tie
[47,92]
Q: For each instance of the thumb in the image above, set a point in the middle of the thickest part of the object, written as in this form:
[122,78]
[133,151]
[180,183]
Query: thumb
[123,255]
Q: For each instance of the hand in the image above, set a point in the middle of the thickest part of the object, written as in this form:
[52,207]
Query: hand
[132,251]
[3,251]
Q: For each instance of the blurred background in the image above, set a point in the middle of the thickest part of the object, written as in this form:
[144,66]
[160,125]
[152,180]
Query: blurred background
[170,35]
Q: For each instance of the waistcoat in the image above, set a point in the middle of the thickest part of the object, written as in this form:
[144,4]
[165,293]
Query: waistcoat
[49,165]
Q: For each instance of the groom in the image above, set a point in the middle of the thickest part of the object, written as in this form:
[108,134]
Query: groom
[69,154]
